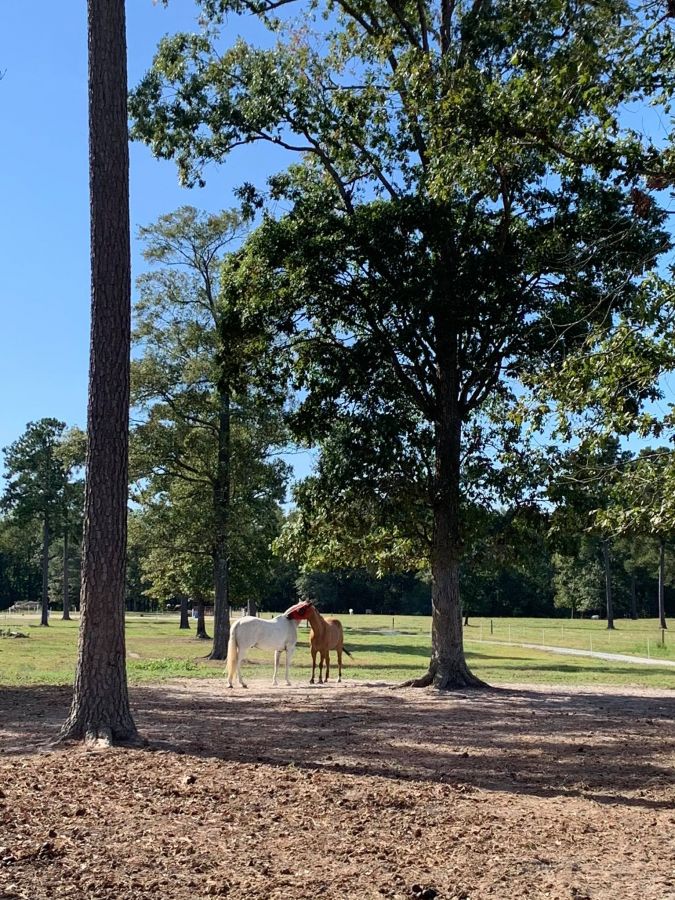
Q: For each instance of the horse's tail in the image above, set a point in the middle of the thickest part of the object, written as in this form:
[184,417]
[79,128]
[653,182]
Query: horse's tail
[342,637]
[232,654]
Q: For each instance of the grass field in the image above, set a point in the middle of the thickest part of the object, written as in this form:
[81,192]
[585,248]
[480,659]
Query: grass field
[640,638]
[384,648]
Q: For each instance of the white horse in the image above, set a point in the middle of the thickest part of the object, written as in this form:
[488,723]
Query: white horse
[280,633]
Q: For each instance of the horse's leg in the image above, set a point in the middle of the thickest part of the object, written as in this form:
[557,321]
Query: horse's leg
[327,666]
[320,666]
[313,652]
[339,656]
[241,658]
[289,657]
[277,654]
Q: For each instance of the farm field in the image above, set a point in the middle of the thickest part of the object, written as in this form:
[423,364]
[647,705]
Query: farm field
[384,648]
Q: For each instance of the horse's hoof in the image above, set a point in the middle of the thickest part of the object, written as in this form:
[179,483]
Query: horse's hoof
[311,681]
[288,684]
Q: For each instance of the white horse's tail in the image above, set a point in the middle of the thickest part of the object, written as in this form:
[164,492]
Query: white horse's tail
[232,655]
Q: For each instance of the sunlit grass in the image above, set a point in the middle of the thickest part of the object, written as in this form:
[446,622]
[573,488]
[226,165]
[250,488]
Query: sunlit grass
[634,638]
[384,648]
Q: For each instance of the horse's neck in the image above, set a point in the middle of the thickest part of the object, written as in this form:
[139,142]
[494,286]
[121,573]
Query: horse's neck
[291,624]
[318,623]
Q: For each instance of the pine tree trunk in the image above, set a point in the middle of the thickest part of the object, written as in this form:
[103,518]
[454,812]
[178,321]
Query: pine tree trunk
[608,584]
[221,509]
[46,537]
[201,621]
[251,608]
[633,596]
[100,709]
[662,584]
[184,618]
[448,668]
[66,587]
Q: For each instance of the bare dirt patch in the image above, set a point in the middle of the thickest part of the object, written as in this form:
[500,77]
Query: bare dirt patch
[344,791]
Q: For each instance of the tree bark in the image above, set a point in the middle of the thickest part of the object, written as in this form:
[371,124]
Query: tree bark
[633,596]
[608,584]
[100,711]
[662,584]
[66,587]
[201,621]
[251,608]
[221,509]
[447,668]
[46,538]
[184,618]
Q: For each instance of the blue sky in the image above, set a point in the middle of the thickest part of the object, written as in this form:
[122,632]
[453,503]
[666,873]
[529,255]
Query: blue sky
[44,214]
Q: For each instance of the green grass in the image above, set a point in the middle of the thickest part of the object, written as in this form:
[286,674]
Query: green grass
[384,649]
[640,638]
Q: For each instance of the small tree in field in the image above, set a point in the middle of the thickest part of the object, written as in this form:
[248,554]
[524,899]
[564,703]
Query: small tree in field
[644,506]
[20,574]
[208,392]
[72,452]
[577,583]
[36,486]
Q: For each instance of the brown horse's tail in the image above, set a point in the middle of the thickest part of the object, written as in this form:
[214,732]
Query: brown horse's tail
[342,637]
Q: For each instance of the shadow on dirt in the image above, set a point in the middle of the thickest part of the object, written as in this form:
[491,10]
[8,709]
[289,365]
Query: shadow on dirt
[609,747]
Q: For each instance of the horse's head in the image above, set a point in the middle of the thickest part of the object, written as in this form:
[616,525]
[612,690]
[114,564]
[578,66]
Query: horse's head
[300,611]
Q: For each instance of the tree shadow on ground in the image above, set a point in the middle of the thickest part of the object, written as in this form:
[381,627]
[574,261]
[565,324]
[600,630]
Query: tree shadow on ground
[612,748]
[407,650]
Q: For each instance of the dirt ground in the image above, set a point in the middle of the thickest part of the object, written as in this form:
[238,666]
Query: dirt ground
[344,791]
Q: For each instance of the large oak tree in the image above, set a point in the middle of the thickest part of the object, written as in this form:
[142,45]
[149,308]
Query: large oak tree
[463,206]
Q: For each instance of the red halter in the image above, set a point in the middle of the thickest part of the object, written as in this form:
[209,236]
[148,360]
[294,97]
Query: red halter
[299,612]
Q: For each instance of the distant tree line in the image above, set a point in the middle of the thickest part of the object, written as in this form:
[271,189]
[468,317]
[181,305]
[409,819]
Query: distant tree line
[525,568]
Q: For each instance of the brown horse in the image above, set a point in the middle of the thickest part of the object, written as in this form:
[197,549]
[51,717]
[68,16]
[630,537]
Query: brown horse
[326,635]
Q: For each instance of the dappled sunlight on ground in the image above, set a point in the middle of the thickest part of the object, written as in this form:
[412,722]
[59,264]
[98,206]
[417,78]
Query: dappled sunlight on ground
[344,791]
